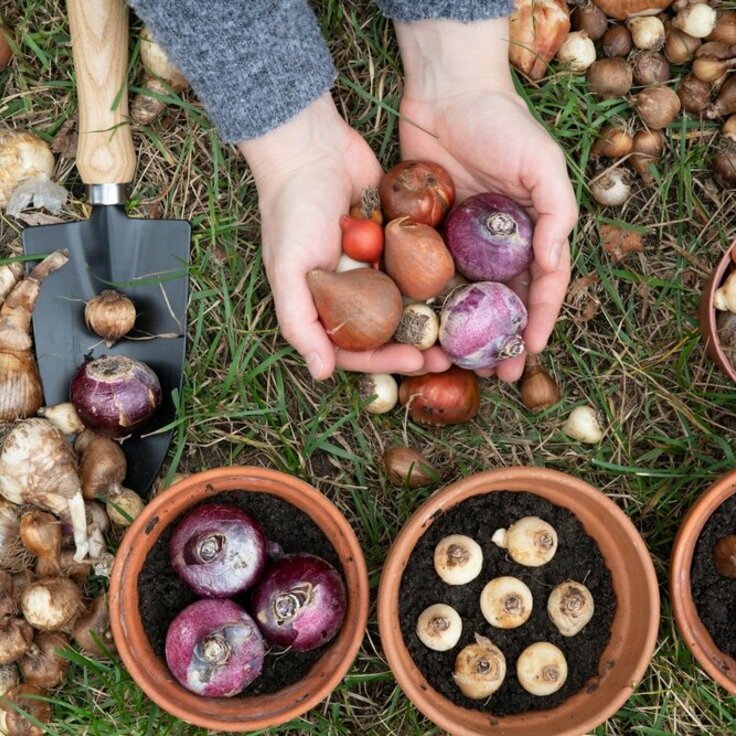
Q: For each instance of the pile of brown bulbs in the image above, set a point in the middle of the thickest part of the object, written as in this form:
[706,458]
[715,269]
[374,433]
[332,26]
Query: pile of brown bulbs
[667,58]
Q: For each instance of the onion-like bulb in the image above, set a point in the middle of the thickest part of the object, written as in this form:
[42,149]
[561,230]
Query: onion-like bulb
[419,326]
[439,627]
[22,155]
[41,535]
[582,424]
[50,603]
[380,391]
[697,20]
[541,668]
[480,669]
[611,189]
[458,559]
[24,699]
[42,665]
[506,602]
[570,607]
[530,541]
[38,466]
[110,315]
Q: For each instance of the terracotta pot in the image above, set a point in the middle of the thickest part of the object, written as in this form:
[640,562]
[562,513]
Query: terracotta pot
[237,714]
[707,314]
[718,665]
[633,631]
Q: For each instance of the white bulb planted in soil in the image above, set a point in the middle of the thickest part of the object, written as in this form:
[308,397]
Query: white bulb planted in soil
[439,627]
[458,559]
[480,669]
[530,541]
[541,669]
[570,606]
[506,602]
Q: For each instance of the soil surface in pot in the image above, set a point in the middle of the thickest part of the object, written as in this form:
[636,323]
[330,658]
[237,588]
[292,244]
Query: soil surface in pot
[163,594]
[577,558]
[713,594]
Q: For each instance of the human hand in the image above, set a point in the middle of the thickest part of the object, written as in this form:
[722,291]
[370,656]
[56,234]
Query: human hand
[460,110]
[308,172]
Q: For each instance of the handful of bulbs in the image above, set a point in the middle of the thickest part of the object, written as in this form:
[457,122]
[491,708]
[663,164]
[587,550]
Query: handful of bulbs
[428,274]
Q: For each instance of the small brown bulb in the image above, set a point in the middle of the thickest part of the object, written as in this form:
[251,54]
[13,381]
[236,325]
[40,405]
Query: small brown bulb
[609,78]
[650,67]
[657,106]
[647,149]
[725,27]
[694,94]
[110,315]
[617,41]
[724,556]
[679,47]
[538,389]
[613,141]
[407,467]
[589,18]
[724,165]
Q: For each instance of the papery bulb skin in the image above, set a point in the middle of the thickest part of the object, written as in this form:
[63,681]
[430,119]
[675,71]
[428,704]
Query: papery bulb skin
[299,602]
[218,550]
[481,325]
[537,30]
[214,648]
[439,399]
[360,309]
[490,238]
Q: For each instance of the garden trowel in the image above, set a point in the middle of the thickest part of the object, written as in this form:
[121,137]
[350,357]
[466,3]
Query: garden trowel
[146,260]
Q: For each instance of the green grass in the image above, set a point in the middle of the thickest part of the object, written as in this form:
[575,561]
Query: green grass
[628,343]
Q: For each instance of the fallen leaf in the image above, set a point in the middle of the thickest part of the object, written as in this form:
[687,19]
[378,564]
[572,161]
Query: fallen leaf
[65,141]
[38,218]
[618,242]
[580,296]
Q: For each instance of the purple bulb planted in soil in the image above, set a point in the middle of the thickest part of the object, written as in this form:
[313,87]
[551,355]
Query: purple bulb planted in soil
[214,648]
[299,602]
[218,550]
[490,238]
[481,325]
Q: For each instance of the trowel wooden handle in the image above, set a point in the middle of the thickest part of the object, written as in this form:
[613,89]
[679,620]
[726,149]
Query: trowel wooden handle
[99,32]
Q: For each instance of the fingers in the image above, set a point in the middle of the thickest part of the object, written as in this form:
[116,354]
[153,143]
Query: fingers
[393,358]
[546,294]
[553,200]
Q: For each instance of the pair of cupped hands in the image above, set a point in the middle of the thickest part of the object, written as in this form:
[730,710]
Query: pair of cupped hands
[311,169]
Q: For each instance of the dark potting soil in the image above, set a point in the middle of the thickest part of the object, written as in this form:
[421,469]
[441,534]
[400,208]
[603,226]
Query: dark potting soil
[713,594]
[577,558]
[163,594]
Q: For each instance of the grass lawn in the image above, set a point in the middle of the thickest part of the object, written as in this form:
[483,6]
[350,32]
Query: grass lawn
[627,342]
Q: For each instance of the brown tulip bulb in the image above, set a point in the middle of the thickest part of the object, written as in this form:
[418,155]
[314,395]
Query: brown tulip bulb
[608,78]
[650,67]
[591,19]
[617,41]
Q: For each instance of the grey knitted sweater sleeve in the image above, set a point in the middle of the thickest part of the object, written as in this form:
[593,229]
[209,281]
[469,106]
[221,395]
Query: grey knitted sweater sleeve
[255,64]
[408,11]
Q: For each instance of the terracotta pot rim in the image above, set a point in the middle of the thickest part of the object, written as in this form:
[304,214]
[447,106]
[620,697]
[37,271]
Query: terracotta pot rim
[431,703]
[707,314]
[692,629]
[150,673]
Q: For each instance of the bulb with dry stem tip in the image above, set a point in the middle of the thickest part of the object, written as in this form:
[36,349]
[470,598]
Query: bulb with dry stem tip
[480,669]
[541,669]
[577,52]
[458,559]
[50,603]
[419,326]
[696,19]
[16,635]
[570,607]
[538,389]
[25,699]
[43,664]
[380,390]
[530,541]
[647,32]
[506,602]
[110,315]
[41,535]
[407,467]
[439,627]
[582,424]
